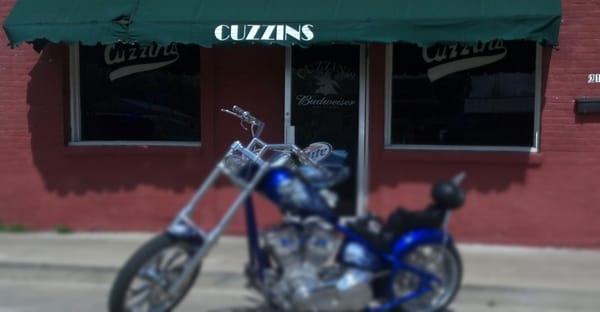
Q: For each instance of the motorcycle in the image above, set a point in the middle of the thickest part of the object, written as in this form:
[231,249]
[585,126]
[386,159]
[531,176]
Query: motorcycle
[313,260]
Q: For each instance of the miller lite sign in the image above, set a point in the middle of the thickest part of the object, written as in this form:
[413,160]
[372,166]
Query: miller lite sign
[318,150]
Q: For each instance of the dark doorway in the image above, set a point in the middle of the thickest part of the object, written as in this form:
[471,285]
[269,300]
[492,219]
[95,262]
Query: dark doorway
[325,99]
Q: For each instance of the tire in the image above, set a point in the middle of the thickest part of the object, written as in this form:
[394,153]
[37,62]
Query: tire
[149,257]
[451,283]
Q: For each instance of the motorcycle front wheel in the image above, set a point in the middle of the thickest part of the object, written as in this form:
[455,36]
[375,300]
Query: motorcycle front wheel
[441,260]
[143,283]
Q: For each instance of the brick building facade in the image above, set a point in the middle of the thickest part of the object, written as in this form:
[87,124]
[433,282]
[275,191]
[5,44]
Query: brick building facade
[548,197]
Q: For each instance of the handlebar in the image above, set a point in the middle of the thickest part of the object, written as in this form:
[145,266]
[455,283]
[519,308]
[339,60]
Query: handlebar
[240,110]
[246,117]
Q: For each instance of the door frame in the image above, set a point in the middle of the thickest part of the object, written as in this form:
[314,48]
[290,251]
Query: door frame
[362,166]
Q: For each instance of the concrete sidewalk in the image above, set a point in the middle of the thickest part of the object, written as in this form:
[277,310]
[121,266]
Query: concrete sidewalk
[97,257]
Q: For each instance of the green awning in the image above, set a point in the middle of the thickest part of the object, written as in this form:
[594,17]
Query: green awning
[285,22]
[88,21]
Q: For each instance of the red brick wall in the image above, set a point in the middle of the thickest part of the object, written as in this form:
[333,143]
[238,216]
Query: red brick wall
[44,183]
[546,199]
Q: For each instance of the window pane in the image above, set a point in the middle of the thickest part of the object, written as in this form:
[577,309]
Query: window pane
[140,93]
[477,95]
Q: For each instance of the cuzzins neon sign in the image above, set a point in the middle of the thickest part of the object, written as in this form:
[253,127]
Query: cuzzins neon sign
[253,32]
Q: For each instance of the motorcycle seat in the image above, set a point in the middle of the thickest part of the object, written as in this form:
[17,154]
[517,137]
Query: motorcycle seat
[402,220]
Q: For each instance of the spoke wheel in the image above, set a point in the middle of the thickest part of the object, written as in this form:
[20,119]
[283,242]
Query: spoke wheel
[443,261]
[143,283]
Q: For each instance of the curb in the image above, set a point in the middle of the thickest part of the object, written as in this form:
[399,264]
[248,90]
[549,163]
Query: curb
[97,274]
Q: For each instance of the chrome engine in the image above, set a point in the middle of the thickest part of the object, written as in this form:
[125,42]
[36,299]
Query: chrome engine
[307,278]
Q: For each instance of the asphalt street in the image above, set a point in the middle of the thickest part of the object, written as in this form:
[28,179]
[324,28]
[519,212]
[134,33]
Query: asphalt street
[230,296]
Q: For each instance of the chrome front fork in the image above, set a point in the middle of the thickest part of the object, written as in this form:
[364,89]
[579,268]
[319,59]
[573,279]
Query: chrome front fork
[183,226]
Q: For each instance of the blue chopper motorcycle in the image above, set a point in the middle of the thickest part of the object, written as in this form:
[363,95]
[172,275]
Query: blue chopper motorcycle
[313,260]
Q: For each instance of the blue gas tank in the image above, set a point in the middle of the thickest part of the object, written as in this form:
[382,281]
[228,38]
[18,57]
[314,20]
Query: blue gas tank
[292,194]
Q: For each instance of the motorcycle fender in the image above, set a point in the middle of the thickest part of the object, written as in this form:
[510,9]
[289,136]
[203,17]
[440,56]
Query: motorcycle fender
[407,242]
[185,232]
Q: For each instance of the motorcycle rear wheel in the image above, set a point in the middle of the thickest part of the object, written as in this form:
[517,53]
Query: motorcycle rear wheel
[142,283]
[443,261]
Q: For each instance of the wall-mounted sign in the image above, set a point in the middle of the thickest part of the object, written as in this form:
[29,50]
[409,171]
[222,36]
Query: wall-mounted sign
[253,32]
[593,78]
[587,105]
[448,59]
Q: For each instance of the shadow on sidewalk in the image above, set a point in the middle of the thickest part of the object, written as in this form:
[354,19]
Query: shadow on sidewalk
[261,307]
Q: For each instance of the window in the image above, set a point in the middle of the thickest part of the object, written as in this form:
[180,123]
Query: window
[132,94]
[478,96]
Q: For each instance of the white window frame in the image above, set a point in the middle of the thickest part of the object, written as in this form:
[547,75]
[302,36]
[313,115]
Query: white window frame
[75,114]
[534,148]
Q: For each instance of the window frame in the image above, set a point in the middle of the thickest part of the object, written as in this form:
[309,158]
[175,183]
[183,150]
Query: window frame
[75,114]
[534,148]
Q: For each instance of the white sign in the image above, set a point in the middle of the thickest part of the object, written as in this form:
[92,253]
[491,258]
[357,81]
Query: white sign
[318,150]
[251,32]
[593,78]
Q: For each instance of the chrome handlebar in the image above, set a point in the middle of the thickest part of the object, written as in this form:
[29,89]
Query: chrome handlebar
[240,110]
[256,148]
[246,117]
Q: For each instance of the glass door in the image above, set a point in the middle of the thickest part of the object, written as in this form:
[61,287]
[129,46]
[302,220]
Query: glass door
[324,99]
